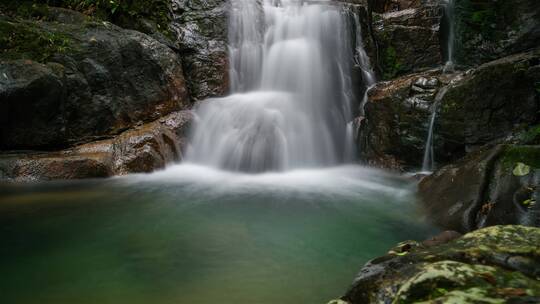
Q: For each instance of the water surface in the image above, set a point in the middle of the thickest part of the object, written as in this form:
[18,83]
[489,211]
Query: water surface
[190,234]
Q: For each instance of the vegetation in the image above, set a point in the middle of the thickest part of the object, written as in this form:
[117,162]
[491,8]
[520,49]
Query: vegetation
[29,41]
[125,13]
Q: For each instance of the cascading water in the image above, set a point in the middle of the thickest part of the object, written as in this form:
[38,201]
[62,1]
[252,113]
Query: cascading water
[449,20]
[291,90]
[428,162]
[361,60]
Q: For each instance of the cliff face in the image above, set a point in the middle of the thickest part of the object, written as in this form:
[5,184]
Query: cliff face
[88,71]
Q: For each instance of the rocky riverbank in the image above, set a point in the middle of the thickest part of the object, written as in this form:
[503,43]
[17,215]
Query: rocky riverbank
[85,86]
[499,264]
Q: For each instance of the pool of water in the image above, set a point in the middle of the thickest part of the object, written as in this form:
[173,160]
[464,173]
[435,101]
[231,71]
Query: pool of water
[191,234]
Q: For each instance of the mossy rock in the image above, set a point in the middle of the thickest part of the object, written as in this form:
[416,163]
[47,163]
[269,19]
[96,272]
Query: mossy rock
[499,264]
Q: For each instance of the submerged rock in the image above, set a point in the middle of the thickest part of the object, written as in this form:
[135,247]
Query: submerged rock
[499,264]
[89,80]
[143,149]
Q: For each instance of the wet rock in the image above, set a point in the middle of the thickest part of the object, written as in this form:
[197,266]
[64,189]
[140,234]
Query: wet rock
[201,30]
[492,101]
[394,131]
[483,190]
[145,148]
[407,40]
[93,80]
[490,29]
[477,107]
[475,268]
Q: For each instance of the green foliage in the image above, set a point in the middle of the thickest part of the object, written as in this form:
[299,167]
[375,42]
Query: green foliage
[390,63]
[27,41]
[529,155]
[125,13]
[530,136]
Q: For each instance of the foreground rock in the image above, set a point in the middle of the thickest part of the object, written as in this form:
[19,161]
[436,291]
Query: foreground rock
[68,83]
[477,107]
[499,264]
[143,149]
[492,186]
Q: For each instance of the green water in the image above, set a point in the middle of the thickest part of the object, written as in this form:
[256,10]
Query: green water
[193,235]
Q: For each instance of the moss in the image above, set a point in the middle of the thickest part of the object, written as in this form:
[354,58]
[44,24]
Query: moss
[529,155]
[29,41]
[125,13]
[390,63]
[530,136]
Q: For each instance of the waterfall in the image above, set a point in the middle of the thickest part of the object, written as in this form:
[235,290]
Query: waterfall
[449,19]
[428,163]
[291,86]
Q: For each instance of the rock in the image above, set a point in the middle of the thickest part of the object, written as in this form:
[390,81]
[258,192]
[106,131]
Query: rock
[407,39]
[482,190]
[89,80]
[394,131]
[492,101]
[146,148]
[489,29]
[500,264]
[201,30]
[481,106]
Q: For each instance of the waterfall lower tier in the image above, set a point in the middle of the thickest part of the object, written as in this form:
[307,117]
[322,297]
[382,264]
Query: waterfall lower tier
[292,90]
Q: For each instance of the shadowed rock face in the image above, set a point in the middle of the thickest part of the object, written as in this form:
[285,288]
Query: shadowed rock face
[143,149]
[490,29]
[408,39]
[102,81]
[395,128]
[494,265]
[480,106]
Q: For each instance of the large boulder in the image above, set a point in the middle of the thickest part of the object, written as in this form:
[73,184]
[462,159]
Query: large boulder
[67,83]
[492,101]
[474,108]
[144,148]
[492,186]
[489,29]
[201,30]
[499,264]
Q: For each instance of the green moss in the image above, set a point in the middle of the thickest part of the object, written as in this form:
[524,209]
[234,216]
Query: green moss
[530,136]
[28,41]
[529,155]
[390,63]
[125,13]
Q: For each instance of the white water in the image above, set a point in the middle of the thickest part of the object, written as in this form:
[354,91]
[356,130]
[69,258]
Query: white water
[428,163]
[449,16]
[291,91]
